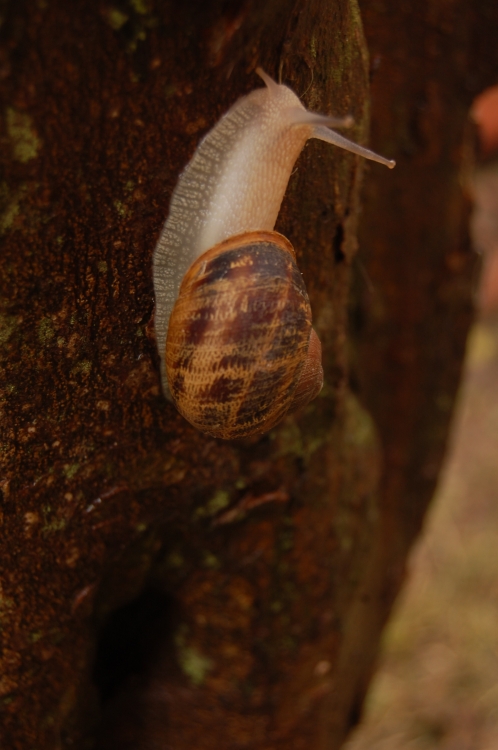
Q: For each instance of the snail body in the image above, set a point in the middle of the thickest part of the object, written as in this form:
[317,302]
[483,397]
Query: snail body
[234,185]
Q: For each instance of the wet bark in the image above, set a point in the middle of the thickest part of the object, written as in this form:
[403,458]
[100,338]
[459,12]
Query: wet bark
[417,278]
[159,587]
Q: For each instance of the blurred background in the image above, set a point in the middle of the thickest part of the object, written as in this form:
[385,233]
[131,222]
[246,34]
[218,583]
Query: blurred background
[437,683]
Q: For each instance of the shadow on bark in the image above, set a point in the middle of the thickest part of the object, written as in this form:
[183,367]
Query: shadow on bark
[161,588]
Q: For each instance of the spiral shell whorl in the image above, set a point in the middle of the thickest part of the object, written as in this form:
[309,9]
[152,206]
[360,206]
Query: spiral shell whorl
[238,336]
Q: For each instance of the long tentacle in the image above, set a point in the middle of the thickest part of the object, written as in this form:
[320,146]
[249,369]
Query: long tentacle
[324,134]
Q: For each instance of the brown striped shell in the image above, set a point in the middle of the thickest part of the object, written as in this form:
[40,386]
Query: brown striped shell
[240,349]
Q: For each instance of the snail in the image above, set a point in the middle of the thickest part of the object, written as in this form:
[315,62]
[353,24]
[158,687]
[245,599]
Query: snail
[233,319]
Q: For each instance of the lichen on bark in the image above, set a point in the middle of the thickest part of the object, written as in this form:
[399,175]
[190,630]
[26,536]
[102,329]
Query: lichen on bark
[255,570]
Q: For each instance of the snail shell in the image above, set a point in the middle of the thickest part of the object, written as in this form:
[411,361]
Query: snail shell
[240,350]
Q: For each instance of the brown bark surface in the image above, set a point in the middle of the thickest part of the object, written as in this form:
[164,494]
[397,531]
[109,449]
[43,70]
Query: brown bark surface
[252,577]
[427,65]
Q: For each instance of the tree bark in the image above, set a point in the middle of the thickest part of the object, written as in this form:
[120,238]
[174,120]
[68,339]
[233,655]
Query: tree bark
[412,313]
[163,588]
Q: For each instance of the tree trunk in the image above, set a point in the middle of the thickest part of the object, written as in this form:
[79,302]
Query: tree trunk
[161,588]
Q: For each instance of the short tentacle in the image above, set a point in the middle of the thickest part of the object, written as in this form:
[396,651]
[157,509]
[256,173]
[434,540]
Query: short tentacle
[272,85]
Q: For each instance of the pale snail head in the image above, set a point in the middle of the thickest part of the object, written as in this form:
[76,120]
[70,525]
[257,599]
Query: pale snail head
[233,320]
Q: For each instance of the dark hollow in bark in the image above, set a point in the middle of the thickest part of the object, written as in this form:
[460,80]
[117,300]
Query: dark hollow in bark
[247,582]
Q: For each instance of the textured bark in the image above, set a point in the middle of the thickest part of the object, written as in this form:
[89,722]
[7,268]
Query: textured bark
[417,275]
[252,577]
